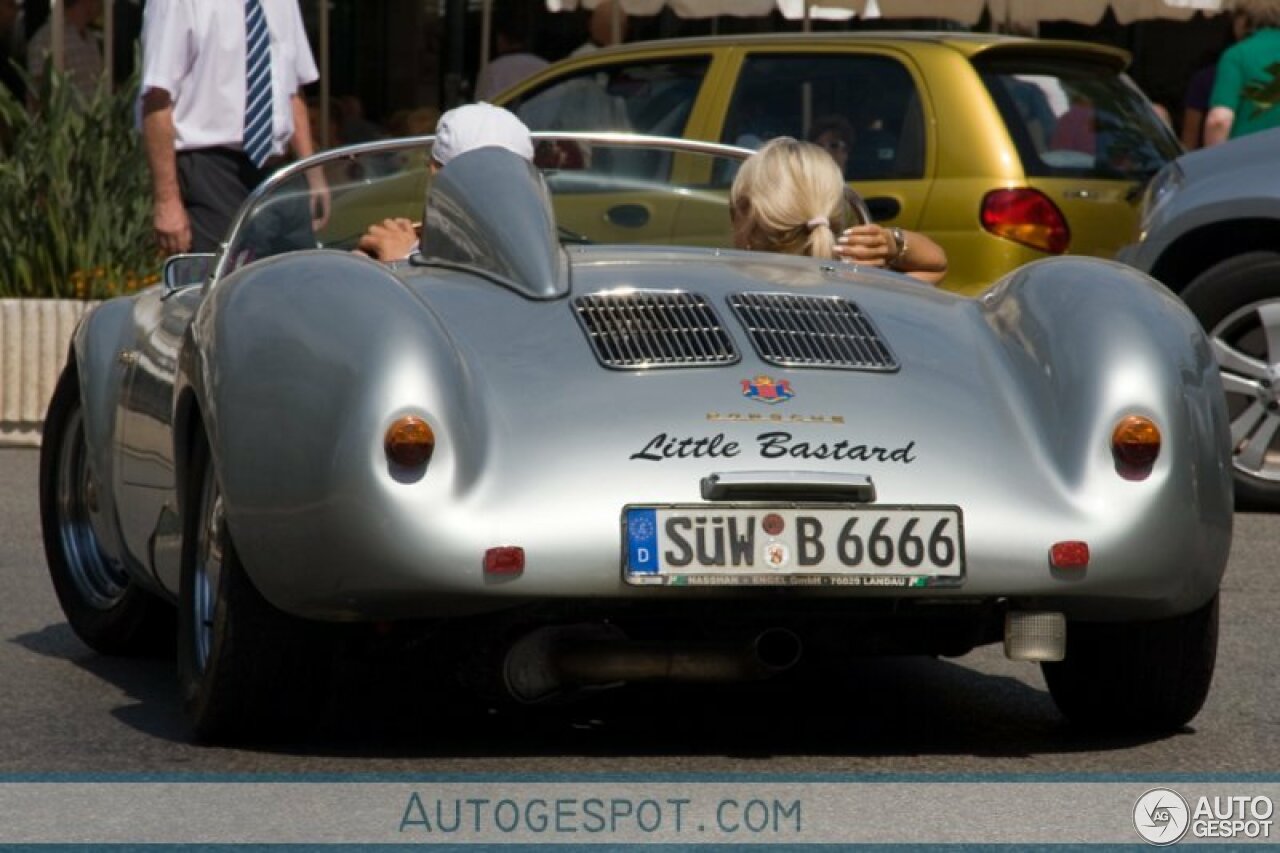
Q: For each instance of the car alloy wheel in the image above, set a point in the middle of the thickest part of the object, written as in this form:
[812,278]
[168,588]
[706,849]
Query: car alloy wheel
[1246,344]
[1238,303]
[100,584]
[103,604]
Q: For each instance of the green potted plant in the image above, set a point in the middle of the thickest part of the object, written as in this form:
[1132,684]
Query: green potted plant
[75,227]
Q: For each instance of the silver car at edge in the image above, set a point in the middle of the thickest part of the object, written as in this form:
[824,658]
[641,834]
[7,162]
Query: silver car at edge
[1210,231]
[564,447]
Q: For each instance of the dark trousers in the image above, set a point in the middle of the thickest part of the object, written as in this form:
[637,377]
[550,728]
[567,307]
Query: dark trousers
[214,182]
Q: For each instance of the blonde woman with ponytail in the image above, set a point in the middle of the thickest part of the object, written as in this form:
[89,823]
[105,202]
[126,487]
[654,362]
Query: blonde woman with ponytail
[790,197]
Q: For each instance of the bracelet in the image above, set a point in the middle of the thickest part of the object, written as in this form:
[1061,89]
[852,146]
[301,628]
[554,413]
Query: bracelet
[900,241]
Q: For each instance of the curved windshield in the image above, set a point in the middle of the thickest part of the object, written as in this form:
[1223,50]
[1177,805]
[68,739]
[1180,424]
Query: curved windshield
[604,188]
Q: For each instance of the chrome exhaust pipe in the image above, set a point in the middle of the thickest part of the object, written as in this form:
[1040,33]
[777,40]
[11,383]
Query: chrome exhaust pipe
[551,660]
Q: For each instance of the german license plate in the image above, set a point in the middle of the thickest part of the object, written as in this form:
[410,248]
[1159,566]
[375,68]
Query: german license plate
[855,545]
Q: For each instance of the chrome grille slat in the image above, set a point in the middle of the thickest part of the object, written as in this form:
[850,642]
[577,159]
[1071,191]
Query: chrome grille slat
[640,317]
[702,341]
[775,325]
[794,330]
[647,329]
[676,317]
[842,342]
[817,336]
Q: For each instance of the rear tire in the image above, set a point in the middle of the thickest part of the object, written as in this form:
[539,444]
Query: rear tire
[246,668]
[1238,303]
[103,604]
[1139,677]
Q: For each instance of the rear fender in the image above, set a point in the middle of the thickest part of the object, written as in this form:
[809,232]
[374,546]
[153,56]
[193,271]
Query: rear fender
[1089,341]
[306,359]
[1083,335]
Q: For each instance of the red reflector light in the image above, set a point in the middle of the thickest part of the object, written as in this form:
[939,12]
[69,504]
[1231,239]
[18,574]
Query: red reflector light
[1028,217]
[506,560]
[1069,555]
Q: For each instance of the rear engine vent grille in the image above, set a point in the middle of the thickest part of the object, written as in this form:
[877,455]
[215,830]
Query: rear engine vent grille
[811,331]
[647,328]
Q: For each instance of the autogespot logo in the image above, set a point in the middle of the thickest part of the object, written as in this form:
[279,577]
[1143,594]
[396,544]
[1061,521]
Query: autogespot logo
[1161,816]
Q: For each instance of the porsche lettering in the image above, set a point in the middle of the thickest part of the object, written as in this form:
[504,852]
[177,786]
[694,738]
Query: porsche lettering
[774,418]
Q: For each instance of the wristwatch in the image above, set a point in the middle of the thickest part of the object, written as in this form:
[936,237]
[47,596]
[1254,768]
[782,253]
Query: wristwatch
[900,242]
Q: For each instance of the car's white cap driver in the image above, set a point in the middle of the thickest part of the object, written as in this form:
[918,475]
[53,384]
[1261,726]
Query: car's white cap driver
[460,130]
[479,125]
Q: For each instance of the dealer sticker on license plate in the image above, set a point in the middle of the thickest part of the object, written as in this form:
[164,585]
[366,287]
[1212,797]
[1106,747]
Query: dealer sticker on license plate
[857,545]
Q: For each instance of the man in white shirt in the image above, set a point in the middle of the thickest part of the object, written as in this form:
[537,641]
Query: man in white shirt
[208,142]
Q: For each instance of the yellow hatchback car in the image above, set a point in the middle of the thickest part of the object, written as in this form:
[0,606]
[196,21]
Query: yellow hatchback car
[1002,149]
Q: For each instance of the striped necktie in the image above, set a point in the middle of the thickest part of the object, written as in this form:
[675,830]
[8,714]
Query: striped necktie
[257,110]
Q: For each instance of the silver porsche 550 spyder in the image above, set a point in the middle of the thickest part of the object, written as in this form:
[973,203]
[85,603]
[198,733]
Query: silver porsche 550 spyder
[576,441]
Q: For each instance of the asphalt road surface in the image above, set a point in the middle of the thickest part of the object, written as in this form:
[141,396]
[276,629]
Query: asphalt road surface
[66,709]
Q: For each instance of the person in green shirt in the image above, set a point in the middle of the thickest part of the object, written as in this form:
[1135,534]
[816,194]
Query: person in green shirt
[1246,91]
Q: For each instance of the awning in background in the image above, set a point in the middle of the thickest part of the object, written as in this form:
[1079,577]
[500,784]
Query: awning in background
[683,8]
[1026,13]
[1010,13]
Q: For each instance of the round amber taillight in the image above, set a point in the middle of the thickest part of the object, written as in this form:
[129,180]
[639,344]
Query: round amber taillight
[409,442]
[1135,443]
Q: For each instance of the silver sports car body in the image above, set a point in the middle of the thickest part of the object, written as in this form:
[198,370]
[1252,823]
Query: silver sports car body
[577,440]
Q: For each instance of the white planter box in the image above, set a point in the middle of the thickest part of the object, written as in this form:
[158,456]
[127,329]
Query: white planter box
[34,336]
